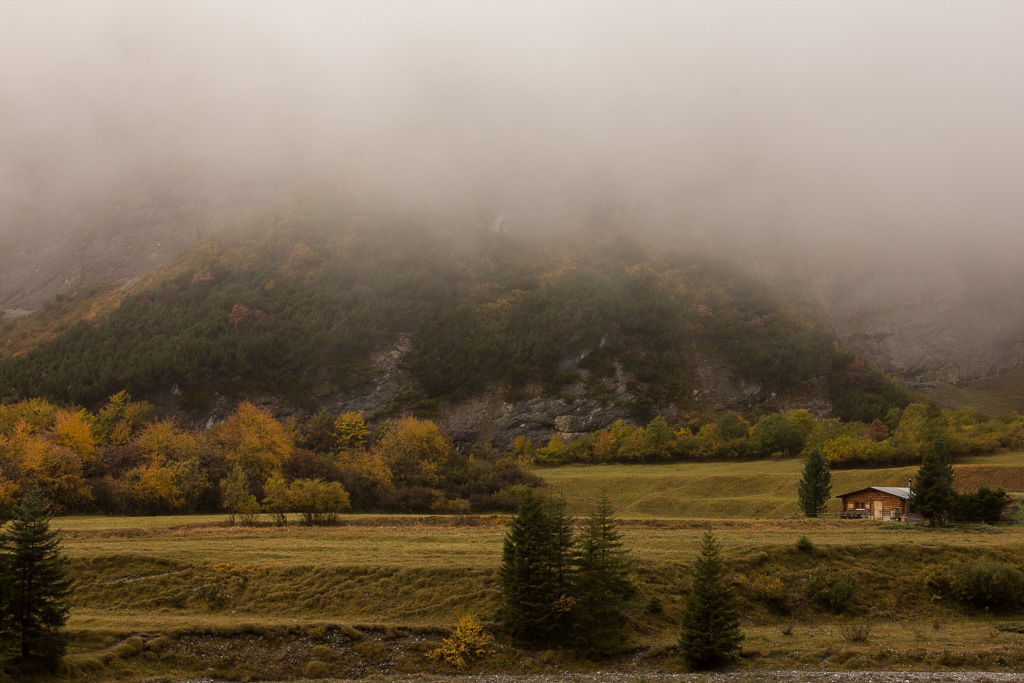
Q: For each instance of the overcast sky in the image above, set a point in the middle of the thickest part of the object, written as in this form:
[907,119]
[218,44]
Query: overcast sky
[893,122]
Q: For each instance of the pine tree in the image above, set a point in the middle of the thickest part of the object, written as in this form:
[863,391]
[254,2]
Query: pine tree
[711,626]
[815,485]
[39,587]
[532,606]
[932,494]
[536,570]
[603,586]
[561,528]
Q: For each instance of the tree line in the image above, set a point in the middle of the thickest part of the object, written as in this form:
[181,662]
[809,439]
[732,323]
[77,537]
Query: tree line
[902,439]
[123,459]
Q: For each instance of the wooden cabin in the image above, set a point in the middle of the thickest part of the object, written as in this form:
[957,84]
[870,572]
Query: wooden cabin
[875,502]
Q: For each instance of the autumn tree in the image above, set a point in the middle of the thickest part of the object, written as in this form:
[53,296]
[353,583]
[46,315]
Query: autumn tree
[39,585]
[73,430]
[276,500]
[121,419]
[252,439]
[236,498]
[319,502]
[415,450]
[350,431]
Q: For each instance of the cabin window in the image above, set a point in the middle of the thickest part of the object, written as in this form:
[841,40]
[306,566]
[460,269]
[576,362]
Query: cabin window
[860,505]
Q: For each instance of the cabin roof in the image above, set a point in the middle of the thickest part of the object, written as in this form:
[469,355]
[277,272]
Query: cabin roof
[898,491]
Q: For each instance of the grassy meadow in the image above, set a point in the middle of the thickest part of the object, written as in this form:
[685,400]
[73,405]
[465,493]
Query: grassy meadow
[190,596]
[746,490]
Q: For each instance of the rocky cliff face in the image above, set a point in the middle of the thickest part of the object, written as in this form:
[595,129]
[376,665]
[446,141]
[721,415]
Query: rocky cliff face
[494,416]
[925,320]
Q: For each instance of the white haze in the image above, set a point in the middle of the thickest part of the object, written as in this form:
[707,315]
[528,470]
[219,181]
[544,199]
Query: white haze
[898,122]
[840,140]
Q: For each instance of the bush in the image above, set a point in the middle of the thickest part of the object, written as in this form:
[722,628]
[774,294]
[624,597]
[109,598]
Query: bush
[318,501]
[467,642]
[770,590]
[856,631]
[804,545]
[987,584]
[830,590]
[983,505]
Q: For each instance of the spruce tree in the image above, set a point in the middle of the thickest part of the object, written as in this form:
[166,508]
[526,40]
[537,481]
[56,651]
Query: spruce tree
[603,586]
[37,605]
[815,485]
[711,626]
[533,606]
[932,494]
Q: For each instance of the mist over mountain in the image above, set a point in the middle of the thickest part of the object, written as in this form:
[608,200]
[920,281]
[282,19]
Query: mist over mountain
[863,158]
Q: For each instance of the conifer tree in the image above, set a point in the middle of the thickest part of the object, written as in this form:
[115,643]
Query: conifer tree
[815,485]
[932,494]
[603,586]
[561,528]
[534,606]
[711,626]
[39,586]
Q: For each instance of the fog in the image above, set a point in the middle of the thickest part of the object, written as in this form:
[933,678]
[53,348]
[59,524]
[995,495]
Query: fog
[786,132]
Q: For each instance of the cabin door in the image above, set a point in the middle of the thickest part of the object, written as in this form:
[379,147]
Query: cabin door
[878,508]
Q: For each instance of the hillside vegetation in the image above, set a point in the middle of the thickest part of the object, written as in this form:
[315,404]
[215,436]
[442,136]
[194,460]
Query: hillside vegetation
[295,301]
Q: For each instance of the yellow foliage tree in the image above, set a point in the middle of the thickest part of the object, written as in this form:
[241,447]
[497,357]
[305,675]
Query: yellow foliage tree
[252,439]
[121,419]
[154,488]
[524,451]
[350,431]
[36,413]
[912,435]
[371,466]
[163,441]
[415,450]
[59,473]
[74,431]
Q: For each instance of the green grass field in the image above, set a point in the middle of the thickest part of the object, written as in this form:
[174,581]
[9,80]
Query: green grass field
[190,596]
[745,490]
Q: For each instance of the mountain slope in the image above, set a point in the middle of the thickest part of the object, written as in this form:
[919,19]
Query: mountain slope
[314,305]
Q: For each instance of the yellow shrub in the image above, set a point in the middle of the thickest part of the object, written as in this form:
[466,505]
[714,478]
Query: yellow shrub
[467,642]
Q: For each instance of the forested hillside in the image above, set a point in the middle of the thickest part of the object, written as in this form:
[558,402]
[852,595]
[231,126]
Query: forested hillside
[295,301]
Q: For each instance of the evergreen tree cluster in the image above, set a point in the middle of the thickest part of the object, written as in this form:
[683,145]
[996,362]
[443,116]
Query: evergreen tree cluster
[562,588]
[34,585]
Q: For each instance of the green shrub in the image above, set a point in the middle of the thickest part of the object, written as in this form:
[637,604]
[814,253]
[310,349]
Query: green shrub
[831,590]
[804,545]
[770,590]
[987,584]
